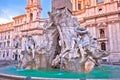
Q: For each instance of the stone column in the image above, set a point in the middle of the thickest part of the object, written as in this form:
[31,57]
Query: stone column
[110,37]
[118,34]
[76,7]
[73,5]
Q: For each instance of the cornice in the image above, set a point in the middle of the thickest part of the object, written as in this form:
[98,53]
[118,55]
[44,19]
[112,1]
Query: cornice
[102,15]
[103,24]
[20,16]
[6,30]
[82,11]
[32,6]
[31,29]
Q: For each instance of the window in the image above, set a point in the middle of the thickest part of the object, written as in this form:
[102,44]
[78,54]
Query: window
[8,36]
[31,1]
[104,60]
[118,4]
[4,44]
[31,17]
[5,37]
[102,33]
[8,43]
[103,46]
[8,53]
[100,9]
[0,45]
[37,14]
[19,56]
[16,57]
[79,6]
[3,55]
[1,37]
[20,20]
[16,44]
[99,0]
[13,56]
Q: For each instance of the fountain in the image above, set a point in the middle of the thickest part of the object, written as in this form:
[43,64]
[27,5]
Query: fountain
[67,47]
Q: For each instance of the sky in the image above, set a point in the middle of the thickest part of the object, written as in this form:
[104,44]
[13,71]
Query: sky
[12,8]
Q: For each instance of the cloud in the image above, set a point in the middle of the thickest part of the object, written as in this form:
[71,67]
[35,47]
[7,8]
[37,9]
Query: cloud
[3,14]
[6,15]
[4,20]
[10,9]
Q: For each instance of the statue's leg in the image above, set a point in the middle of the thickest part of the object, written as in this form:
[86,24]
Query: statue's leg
[82,54]
[26,47]
[33,52]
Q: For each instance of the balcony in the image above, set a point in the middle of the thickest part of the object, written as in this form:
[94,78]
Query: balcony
[102,39]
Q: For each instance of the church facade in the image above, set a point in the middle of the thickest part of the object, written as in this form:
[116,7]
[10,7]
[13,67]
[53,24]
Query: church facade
[100,17]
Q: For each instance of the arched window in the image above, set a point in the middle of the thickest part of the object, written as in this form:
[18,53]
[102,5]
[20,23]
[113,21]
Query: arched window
[31,17]
[103,46]
[102,33]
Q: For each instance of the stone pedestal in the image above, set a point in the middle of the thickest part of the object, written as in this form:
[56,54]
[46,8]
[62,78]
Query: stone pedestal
[60,4]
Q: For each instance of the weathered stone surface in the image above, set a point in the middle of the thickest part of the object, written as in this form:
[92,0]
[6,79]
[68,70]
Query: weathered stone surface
[43,61]
[60,4]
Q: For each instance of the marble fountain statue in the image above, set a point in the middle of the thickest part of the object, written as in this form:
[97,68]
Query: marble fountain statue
[66,44]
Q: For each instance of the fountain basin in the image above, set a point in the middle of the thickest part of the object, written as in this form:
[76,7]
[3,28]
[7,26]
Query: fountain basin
[101,72]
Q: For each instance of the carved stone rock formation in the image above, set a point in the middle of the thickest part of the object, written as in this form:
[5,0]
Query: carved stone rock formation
[66,45]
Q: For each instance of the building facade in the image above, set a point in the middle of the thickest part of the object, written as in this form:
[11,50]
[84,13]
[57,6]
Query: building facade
[100,17]
[22,25]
